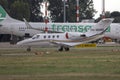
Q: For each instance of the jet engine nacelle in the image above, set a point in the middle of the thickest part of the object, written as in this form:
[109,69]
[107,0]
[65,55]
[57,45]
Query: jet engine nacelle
[74,35]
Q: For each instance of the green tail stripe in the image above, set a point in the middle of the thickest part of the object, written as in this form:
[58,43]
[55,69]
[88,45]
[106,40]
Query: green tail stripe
[2,14]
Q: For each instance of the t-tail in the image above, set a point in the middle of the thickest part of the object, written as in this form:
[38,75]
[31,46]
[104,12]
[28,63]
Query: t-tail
[100,27]
[4,17]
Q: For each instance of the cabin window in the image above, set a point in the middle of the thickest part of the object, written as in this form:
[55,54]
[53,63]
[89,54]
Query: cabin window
[57,36]
[19,27]
[44,36]
[49,36]
[53,36]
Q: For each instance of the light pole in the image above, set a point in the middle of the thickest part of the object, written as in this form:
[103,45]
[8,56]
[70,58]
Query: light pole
[103,8]
[64,17]
[46,20]
[77,1]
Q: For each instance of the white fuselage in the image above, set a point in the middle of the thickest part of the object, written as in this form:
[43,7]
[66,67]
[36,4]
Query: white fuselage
[114,31]
[9,25]
[20,29]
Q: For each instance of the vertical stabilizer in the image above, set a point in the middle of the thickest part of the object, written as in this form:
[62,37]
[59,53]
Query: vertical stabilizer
[100,27]
[4,17]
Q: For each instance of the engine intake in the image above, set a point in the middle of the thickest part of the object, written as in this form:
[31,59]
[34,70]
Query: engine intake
[74,35]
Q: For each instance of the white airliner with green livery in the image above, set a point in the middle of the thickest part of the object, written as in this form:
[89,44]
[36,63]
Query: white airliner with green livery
[9,25]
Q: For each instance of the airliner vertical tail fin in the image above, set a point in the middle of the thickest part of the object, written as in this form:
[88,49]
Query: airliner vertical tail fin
[4,17]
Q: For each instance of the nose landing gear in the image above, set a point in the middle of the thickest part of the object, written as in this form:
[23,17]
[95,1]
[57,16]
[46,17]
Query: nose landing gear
[65,48]
[29,49]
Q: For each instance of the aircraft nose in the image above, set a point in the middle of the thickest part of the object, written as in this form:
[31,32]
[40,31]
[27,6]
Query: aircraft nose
[23,42]
[19,43]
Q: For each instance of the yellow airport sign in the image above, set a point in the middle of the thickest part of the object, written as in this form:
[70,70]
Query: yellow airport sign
[86,45]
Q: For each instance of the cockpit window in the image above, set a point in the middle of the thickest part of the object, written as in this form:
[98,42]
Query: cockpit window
[53,36]
[49,36]
[36,37]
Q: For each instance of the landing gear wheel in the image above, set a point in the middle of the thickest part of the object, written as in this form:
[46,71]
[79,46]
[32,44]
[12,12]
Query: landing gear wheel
[60,49]
[29,49]
[66,48]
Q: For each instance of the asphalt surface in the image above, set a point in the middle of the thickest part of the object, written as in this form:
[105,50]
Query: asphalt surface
[8,45]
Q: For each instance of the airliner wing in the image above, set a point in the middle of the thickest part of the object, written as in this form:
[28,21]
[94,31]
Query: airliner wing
[29,26]
[40,29]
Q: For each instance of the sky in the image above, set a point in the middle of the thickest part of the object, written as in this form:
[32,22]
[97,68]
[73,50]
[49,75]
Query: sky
[110,5]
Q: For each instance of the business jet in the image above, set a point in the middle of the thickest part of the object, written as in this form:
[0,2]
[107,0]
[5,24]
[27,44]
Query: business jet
[69,39]
[12,26]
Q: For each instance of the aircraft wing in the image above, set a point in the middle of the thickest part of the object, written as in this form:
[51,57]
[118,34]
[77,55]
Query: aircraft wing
[71,44]
[40,29]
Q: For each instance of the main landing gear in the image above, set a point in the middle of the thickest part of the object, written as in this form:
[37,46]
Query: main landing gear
[62,47]
[28,49]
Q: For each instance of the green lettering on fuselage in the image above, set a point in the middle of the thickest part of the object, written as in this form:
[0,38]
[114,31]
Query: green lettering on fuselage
[53,27]
[59,28]
[87,27]
[73,28]
[80,28]
[65,28]
[108,29]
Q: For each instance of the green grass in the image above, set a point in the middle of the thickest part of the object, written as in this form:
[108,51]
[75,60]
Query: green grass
[101,63]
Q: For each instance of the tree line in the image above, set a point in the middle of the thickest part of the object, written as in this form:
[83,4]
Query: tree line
[19,9]
[31,9]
